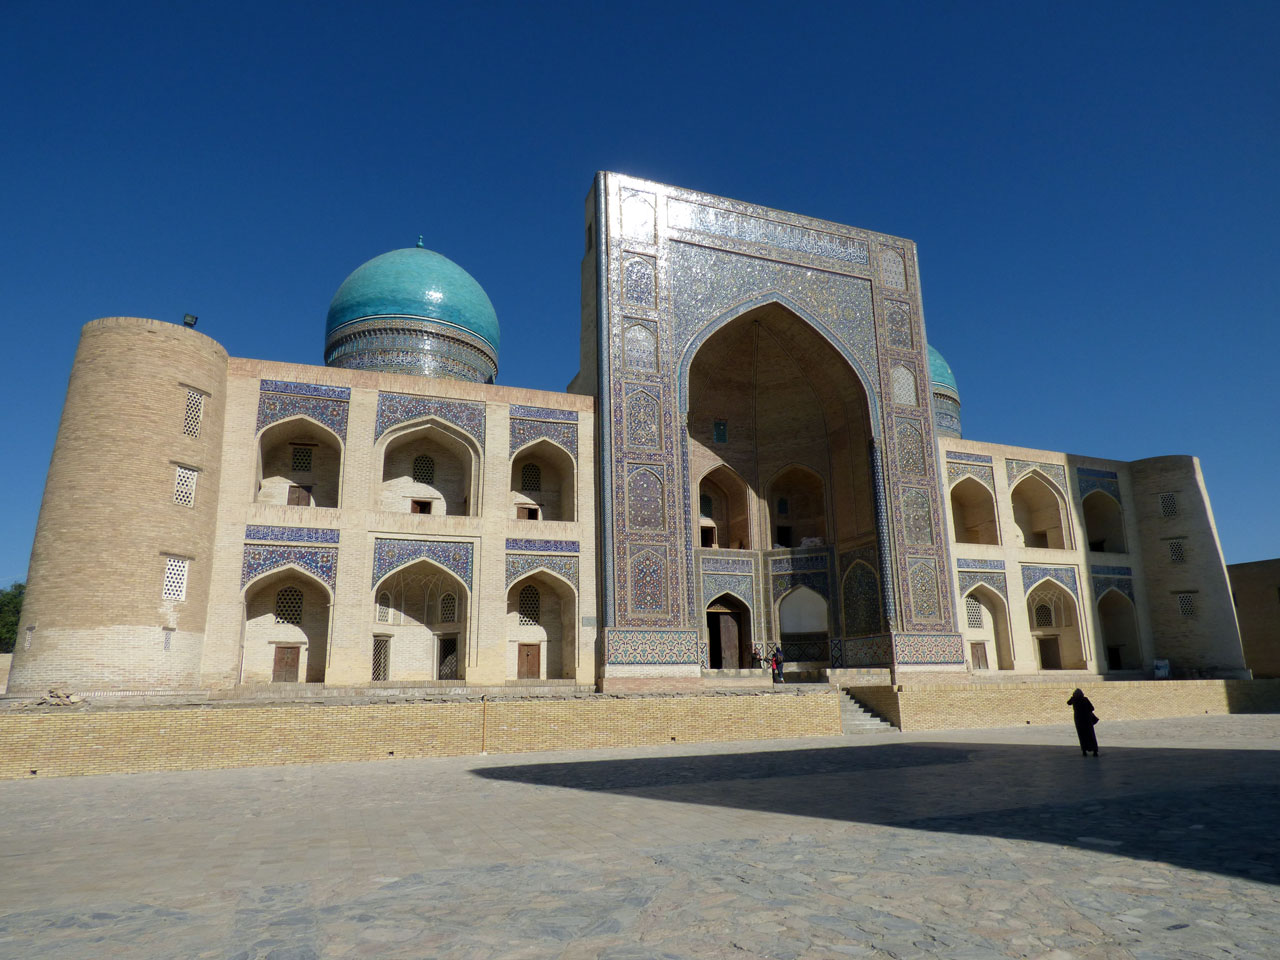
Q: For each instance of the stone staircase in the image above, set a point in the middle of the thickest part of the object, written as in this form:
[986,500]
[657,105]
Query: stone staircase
[856,719]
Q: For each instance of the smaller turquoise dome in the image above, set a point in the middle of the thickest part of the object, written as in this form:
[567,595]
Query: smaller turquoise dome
[415,282]
[940,372]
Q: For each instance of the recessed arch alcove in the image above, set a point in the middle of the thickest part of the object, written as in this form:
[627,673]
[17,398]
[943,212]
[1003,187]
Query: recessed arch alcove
[773,402]
[299,464]
[420,612]
[1103,523]
[286,628]
[428,467]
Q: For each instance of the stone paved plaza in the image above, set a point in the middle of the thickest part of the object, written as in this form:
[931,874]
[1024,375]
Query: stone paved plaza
[1003,843]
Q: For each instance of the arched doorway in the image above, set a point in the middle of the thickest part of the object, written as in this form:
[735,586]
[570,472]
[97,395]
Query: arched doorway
[984,623]
[1055,625]
[729,634]
[540,627]
[1118,622]
[420,625]
[804,627]
[286,628]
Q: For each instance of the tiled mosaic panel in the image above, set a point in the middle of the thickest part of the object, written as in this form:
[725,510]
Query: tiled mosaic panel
[864,651]
[398,408]
[996,581]
[740,585]
[1102,584]
[946,416]
[917,516]
[899,326]
[794,563]
[274,407]
[643,424]
[1033,574]
[927,649]
[1090,480]
[641,347]
[861,596]
[968,457]
[815,580]
[542,546]
[652,646]
[980,564]
[648,582]
[714,564]
[903,381]
[391,346]
[306,389]
[520,564]
[391,554]
[639,218]
[542,413]
[893,269]
[526,431]
[1054,471]
[922,577]
[639,283]
[645,500]
[322,562]
[910,442]
[290,534]
[699,218]
[1108,571]
[984,475]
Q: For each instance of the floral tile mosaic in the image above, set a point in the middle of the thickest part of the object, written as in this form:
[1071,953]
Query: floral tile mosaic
[322,562]
[542,413]
[1054,471]
[1033,574]
[996,581]
[968,457]
[524,432]
[391,554]
[1102,584]
[398,408]
[741,586]
[522,564]
[1089,480]
[274,407]
[652,646]
[980,564]
[305,389]
[927,649]
[290,534]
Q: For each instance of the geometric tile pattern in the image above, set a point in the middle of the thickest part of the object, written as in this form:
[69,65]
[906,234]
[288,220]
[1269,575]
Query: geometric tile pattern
[979,564]
[306,389]
[322,562]
[652,646]
[396,408]
[290,534]
[542,546]
[741,586]
[526,431]
[864,651]
[519,564]
[1033,574]
[927,649]
[542,413]
[1054,471]
[971,578]
[983,475]
[454,555]
[970,457]
[1106,571]
[326,408]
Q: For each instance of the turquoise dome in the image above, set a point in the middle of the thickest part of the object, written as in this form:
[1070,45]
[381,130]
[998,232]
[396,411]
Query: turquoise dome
[415,282]
[940,372]
[413,311]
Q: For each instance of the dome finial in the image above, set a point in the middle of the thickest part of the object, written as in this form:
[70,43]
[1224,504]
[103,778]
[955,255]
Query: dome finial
[420,246]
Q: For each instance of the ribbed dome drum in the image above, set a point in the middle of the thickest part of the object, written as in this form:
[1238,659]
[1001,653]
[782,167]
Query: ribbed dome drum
[946,396]
[413,311]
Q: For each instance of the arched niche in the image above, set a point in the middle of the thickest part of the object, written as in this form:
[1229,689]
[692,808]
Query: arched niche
[803,625]
[984,624]
[429,468]
[770,396]
[299,464]
[1103,523]
[420,615]
[1118,622]
[1039,512]
[724,510]
[973,510]
[797,508]
[541,628]
[729,645]
[542,482]
[286,628]
[1055,627]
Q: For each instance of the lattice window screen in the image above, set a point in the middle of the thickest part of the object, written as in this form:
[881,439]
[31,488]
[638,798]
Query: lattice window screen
[530,606]
[184,487]
[175,579]
[1187,604]
[381,658]
[448,608]
[973,611]
[195,410]
[302,459]
[289,605]
[1177,551]
[424,469]
[1168,505]
[531,478]
[384,608]
[1044,615]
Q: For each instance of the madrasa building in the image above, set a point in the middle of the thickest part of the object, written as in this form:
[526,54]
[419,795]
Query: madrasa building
[760,451]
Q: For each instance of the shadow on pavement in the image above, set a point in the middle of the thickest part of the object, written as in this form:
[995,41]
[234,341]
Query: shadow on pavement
[1213,810]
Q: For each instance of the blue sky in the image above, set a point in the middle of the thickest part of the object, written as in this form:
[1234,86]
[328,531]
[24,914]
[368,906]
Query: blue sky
[1093,188]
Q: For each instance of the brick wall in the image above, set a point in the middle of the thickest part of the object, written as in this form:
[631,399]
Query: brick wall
[957,705]
[134,740]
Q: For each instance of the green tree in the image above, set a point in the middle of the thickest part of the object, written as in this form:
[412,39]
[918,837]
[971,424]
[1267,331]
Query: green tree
[10,610]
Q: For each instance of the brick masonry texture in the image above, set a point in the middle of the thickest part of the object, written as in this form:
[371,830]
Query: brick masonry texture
[133,740]
[961,705]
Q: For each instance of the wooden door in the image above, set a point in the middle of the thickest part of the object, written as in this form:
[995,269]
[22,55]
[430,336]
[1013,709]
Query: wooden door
[729,641]
[285,668]
[1050,653]
[448,659]
[529,662]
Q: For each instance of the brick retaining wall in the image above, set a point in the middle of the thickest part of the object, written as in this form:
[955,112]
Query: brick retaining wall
[941,706]
[133,740]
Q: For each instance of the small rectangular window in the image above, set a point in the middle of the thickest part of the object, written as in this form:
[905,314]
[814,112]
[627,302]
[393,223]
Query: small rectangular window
[175,578]
[1187,604]
[708,536]
[299,495]
[526,513]
[420,506]
[381,658]
[168,639]
[978,656]
[1168,505]
[784,537]
[184,487]
[1177,554]
[194,411]
[301,459]
[720,431]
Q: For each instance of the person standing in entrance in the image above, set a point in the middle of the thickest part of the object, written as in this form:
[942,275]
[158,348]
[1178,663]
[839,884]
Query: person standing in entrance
[1085,719]
[775,662]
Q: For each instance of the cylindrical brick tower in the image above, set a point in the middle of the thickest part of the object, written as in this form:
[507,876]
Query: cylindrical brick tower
[118,587]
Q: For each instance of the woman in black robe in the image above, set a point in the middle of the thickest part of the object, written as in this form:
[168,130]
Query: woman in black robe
[1085,720]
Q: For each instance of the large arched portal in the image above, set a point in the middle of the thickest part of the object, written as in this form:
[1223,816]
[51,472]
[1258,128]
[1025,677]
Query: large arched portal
[420,624]
[775,403]
[729,634]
